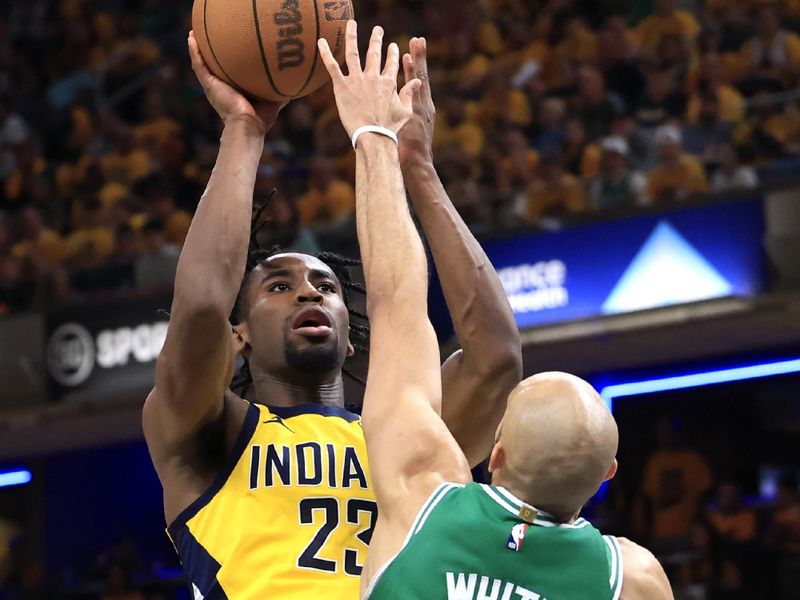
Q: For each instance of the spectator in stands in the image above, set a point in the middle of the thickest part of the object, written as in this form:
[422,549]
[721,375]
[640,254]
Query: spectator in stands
[730,175]
[616,59]
[126,163]
[515,166]
[618,186]
[453,127]
[770,61]
[677,175]
[733,528]
[551,133]
[784,538]
[666,20]
[92,241]
[29,181]
[710,76]
[663,100]
[156,265]
[36,238]
[593,104]
[328,198]
[285,229]
[704,138]
[176,221]
[501,105]
[674,483]
[553,192]
[766,130]
[13,131]
[579,155]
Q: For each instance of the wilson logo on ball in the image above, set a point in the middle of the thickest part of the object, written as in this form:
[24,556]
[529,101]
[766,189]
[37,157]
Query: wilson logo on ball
[291,50]
[338,10]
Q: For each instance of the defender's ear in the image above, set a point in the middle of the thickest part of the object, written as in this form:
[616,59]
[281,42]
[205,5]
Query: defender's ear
[497,460]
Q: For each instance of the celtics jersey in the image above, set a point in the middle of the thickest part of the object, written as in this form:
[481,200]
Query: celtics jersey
[479,542]
[290,517]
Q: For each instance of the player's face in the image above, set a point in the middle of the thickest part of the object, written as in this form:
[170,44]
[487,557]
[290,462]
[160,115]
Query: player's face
[297,322]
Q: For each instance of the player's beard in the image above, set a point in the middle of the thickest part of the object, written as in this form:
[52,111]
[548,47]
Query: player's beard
[318,358]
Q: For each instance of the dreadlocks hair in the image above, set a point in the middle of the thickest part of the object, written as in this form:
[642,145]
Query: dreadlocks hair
[341,266]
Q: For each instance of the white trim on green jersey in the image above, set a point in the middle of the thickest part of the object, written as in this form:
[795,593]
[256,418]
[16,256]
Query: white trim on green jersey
[513,505]
[617,571]
[416,526]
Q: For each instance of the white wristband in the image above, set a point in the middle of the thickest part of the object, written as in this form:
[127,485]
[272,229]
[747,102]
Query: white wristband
[373,129]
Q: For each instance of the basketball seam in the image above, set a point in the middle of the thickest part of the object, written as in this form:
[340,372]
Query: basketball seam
[214,54]
[263,54]
[316,51]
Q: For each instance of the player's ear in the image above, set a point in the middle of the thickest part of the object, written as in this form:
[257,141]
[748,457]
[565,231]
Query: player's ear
[612,470]
[350,350]
[240,338]
[497,459]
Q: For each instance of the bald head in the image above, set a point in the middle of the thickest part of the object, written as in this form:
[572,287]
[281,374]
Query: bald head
[556,443]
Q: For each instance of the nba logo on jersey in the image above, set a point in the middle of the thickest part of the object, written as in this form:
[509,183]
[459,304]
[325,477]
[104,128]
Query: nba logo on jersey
[516,537]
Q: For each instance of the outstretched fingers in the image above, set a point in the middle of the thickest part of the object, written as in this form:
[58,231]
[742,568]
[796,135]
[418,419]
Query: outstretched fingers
[374,52]
[328,60]
[392,65]
[351,48]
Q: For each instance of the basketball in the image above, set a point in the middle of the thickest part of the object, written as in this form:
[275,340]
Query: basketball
[267,49]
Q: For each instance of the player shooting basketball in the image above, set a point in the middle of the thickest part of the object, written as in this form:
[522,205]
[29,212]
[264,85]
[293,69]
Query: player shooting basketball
[439,536]
[272,498]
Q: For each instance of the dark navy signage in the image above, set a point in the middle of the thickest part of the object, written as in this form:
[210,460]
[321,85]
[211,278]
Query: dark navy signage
[636,263]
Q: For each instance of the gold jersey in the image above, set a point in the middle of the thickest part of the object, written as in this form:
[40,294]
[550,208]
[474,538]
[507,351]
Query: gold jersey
[290,517]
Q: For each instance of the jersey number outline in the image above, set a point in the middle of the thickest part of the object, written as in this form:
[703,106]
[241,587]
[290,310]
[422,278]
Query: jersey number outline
[308,559]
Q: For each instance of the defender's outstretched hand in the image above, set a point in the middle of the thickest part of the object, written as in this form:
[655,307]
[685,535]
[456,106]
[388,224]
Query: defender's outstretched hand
[368,95]
[416,139]
[227,101]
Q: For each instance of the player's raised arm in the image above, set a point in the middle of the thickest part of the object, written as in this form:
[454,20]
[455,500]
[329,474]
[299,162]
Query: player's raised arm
[196,363]
[410,449]
[643,575]
[477,379]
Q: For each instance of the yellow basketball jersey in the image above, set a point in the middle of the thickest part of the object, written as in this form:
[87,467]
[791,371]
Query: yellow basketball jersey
[290,517]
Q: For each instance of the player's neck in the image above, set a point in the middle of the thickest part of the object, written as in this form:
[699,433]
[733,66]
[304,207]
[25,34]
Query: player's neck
[274,391]
[524,496]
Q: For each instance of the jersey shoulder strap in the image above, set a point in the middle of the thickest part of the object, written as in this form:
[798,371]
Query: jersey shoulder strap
[616,566]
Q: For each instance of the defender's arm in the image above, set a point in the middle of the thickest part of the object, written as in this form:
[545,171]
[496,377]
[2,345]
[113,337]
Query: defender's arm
[477,379]
[643,575]
[410,449]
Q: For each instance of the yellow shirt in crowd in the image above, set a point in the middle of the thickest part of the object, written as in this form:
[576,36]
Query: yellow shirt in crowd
[317,206]
[675,481]
[686,178]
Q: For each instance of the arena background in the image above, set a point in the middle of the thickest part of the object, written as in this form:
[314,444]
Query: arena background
[632,168]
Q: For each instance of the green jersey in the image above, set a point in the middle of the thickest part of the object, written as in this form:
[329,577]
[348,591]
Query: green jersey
[480,542]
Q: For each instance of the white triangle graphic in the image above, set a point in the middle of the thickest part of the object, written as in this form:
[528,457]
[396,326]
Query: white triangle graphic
[667,270]
[196,592]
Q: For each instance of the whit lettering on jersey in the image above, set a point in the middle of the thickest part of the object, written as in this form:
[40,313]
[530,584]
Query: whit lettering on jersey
[468,586]
[307,464]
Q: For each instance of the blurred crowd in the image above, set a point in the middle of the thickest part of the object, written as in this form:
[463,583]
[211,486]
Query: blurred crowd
[546,109]
[715,541]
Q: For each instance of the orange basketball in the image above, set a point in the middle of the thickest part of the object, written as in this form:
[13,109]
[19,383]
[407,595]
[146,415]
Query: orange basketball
[268,48]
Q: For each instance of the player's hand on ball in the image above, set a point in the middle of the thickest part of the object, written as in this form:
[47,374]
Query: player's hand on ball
[416,139]
[228,102]
[369,96]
